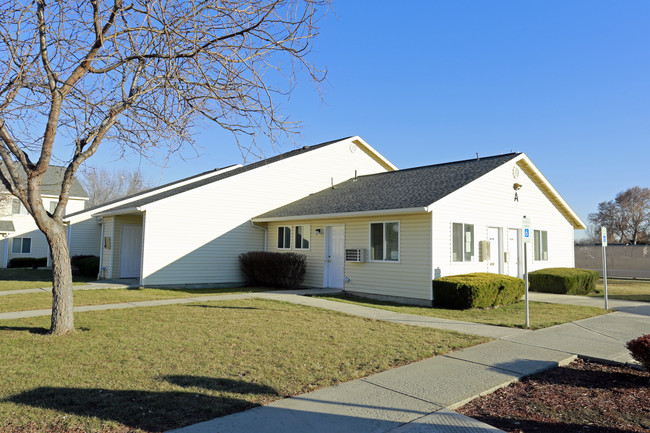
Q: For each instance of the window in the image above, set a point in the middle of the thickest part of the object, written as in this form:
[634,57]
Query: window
[21,245]
[53,206]
[301,240]
[17,208]
[384,241]
[462,242]
[284,238]
[541,245]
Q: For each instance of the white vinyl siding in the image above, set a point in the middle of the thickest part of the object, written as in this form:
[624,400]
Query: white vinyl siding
[196,237]
[490,202]
[408,278]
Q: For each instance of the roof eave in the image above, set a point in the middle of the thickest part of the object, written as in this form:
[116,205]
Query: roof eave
[125,211]
[378,212]
[360,142]
[545,186]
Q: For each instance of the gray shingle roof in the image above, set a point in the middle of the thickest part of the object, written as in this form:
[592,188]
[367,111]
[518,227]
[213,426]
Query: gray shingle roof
[402,189]
[201,182]
[51,184]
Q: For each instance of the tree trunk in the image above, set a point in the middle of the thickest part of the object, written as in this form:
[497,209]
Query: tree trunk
[62,314]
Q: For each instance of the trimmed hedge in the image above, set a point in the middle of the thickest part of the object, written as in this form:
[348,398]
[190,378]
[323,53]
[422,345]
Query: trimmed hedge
[279,270]
[27,262]
[568,281]
[640,350]
[476,290]
[87,266]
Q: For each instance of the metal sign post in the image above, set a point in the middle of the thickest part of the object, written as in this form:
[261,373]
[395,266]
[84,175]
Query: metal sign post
[527,239]
[603,236]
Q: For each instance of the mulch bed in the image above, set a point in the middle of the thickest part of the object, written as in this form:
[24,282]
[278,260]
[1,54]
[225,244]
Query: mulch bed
[581,397]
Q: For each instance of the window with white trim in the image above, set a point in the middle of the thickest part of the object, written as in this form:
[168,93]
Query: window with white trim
[284,238]
[53,206]
[462,242]
[541,245]
[384,241]
[301,237]
[21,245]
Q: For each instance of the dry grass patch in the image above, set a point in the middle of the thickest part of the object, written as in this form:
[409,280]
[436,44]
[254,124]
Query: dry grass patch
[542,315]
[154,369]
[631,290]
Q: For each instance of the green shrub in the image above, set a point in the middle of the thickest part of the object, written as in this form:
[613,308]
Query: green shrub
[87,266]
[640,350]
[476,290]
[280,270]
[27,262]
[567,281]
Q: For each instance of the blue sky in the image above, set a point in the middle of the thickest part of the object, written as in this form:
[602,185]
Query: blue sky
[428,82]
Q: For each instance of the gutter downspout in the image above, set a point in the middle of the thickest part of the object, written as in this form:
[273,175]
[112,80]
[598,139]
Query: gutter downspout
[266,232]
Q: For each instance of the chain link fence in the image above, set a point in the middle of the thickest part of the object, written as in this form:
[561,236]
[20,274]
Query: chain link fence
[632,261]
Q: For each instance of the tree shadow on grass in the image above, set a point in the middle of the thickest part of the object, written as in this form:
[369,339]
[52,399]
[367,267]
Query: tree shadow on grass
[30,329]
[224,307]
[148,410]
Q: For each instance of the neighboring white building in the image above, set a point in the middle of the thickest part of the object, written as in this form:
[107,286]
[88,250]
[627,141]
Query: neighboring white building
[191,232]
[388,235]
[19,235]
[364,226]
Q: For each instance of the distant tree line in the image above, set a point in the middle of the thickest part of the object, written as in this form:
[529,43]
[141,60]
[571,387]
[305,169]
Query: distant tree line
[627,218]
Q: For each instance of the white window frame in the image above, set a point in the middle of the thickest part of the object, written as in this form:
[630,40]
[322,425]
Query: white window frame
[451,249]
[306,230]
[284,248]
[13,240]
[383,232]
[540,257]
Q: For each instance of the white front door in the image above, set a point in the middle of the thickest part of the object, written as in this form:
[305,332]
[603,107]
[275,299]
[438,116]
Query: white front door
[495,250]
[334,257]
[130,251]
[513,253]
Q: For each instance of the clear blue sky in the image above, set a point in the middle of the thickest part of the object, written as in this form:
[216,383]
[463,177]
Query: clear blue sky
[567,82]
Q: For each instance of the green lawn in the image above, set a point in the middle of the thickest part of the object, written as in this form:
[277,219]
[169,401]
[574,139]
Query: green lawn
[632,290]
[542,315]
[37,301]
[153,369]
[17,278]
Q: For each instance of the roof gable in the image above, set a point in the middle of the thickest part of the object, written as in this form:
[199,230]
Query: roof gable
[134,202]
[411,188]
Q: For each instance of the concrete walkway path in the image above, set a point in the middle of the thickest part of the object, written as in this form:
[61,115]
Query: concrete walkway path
[420,397]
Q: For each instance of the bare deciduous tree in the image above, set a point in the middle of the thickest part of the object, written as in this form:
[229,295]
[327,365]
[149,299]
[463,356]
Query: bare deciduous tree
[74,74]
[627,217]
[104,185]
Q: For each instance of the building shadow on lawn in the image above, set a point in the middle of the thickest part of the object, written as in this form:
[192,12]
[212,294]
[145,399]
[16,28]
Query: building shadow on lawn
[148,410]
[524,425]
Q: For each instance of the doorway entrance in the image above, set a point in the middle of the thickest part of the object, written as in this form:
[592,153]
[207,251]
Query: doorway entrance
[334,257]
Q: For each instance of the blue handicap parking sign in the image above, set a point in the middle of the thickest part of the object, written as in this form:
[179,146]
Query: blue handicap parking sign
[526,233]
